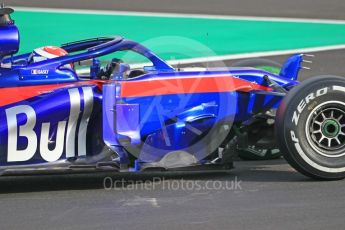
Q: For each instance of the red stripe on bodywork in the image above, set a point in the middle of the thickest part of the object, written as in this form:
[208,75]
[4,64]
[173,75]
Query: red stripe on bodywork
[164,86]
[151,87]
[16,94]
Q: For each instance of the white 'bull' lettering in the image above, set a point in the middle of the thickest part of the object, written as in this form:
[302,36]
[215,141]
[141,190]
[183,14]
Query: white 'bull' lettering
[27,130]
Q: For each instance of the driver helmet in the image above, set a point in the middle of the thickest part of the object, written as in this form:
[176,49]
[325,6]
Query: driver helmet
[48,52]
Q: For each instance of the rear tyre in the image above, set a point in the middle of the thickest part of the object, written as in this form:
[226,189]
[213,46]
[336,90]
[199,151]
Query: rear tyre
[310,127]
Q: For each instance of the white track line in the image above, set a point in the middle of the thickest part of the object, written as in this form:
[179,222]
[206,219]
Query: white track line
[178,15]
[255,54]
[238,56]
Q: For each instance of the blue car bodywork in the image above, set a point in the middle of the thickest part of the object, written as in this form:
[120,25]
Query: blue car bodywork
[53,118]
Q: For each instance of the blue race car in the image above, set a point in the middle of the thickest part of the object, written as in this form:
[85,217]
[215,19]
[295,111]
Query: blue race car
[54,119]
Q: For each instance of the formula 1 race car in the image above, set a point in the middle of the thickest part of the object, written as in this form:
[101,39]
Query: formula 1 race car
[54,119]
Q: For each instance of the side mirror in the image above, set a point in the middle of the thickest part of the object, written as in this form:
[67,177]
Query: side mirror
[9,34]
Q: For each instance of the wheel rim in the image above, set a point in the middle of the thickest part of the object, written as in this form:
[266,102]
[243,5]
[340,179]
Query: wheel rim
[331,128]
[326,129]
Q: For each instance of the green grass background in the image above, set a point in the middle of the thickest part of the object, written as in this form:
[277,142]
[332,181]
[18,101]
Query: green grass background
[176,38]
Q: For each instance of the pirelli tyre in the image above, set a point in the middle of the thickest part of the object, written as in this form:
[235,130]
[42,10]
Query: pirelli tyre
[310,127]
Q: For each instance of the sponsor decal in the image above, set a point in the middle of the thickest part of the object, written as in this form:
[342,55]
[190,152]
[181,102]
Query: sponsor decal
[62,141]
[339,88]
[305,101]
[39,71]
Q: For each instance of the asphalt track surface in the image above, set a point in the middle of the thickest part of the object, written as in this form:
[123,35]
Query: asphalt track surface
[271,195]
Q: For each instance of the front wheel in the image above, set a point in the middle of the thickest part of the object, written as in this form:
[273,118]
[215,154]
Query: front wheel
[310,127]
